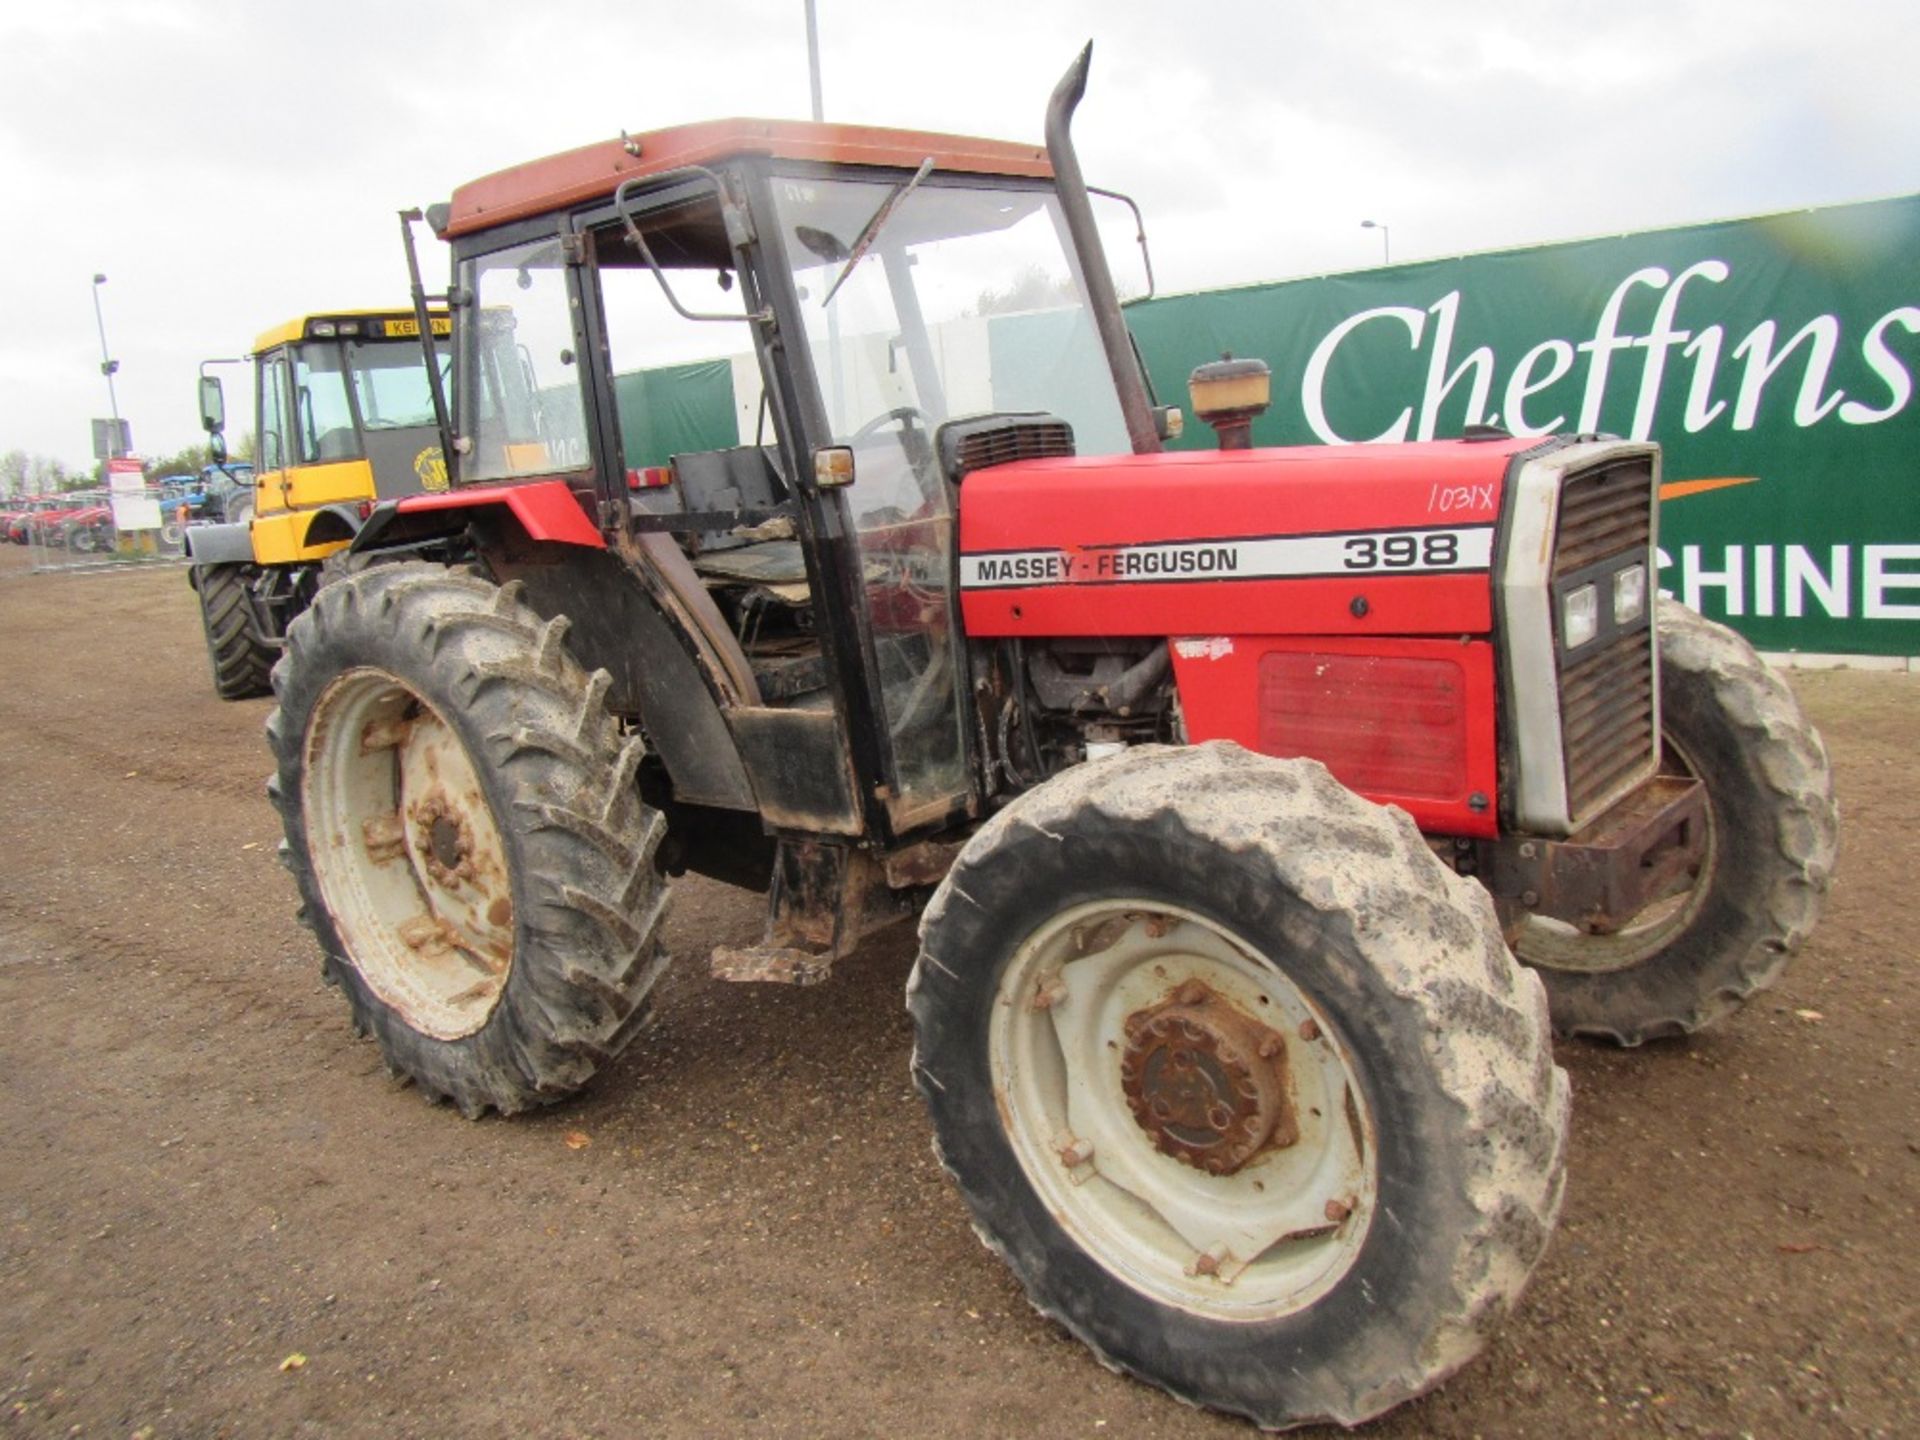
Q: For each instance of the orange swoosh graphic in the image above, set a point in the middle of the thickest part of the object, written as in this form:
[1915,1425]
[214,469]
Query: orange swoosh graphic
[1678,489]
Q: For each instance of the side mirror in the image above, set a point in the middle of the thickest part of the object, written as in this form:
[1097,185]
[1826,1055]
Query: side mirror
[217,445]
[213,405]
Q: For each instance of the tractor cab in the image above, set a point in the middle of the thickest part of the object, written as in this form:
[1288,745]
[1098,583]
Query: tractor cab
[343,416]
[871,305]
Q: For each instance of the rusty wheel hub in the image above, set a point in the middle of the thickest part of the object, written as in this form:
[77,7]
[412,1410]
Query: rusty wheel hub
[1206,1081]
[443,838]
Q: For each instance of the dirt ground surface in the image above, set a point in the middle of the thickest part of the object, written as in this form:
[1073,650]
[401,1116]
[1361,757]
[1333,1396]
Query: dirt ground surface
[740,1229]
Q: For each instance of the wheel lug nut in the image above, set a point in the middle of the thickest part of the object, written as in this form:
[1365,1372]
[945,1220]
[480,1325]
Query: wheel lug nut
[1338,1210]
[1309,1030]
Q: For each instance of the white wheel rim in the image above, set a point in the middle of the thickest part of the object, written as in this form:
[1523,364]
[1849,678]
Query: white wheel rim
[1268,1239]
[407,855]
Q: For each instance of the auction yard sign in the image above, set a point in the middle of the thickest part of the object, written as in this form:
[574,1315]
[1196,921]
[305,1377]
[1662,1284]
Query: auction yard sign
[1772,358]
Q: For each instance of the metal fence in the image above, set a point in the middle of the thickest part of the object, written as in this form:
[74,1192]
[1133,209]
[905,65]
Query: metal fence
[93,530]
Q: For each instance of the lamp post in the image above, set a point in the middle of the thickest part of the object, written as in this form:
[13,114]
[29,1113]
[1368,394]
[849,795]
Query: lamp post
[108,366]
[1386,243]
[813,58]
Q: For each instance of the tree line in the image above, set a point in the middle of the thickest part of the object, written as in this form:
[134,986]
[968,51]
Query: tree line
[25,473]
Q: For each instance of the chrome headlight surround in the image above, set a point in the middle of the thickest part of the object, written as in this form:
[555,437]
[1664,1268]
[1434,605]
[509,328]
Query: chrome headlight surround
[1530,607]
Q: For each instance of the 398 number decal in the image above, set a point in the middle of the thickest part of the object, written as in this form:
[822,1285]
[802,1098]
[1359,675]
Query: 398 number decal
[1437,549]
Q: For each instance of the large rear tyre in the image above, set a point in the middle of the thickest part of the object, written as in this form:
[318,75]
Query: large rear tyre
[1240,1081]
[1772,835]
[470,844]
[241,663]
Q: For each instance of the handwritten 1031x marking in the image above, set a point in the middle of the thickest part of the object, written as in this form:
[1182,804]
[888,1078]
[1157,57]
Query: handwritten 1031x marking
[1407,552]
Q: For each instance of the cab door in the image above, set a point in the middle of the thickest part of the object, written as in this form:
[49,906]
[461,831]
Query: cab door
[274,452]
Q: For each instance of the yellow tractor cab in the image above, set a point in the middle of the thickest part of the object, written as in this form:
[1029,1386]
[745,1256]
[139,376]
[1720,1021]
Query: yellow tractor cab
[344,417]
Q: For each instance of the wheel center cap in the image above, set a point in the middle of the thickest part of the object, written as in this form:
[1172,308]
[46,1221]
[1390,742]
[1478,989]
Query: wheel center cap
[1206,1081]
[446,842]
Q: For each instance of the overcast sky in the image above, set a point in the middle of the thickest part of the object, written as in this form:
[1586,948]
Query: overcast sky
[230,163]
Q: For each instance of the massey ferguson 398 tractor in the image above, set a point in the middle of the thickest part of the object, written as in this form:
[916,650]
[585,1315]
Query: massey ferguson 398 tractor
[1232,774]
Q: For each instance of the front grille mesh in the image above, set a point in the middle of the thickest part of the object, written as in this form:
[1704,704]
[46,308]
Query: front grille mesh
[1607,697]
[1001,440]
[1606,720]
[1605,511]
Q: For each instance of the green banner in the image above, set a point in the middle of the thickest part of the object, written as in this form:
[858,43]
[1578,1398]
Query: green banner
[1772,358]
[675,409]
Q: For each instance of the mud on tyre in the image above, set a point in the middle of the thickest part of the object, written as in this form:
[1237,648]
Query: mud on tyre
[1103,975]
[463,824]
[1773,832]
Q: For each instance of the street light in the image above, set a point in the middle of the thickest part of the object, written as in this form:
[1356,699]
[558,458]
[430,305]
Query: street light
[1386,243]
[813,58]
[108,366]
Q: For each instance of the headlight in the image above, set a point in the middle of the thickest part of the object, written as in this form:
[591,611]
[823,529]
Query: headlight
[1579,616]
[1629,595]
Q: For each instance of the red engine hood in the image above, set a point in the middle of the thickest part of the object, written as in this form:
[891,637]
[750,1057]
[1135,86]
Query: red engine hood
[1361,539]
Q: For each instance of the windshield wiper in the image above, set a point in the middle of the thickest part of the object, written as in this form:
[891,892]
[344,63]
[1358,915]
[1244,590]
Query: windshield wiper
[872,231]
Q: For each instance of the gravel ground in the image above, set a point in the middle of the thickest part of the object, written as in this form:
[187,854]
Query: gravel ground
[218,1217]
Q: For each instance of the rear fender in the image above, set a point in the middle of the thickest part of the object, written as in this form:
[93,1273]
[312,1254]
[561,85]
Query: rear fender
[219,544]
[541,510]
[616,625]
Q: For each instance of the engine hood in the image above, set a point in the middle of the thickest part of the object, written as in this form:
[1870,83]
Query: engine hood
[1361,539]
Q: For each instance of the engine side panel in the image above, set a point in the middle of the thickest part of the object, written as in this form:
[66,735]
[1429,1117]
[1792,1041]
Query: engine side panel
[1407,722]
[1357,540]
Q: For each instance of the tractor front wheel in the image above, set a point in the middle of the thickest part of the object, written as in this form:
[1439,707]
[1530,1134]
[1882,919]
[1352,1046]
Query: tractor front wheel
[241,662]
[464,825]
[1772,832]
[1240,1081]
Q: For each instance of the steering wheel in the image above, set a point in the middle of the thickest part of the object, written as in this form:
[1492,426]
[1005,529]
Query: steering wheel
[906,415]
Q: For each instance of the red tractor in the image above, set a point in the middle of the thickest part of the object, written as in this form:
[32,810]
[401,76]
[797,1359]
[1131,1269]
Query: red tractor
[1226,779]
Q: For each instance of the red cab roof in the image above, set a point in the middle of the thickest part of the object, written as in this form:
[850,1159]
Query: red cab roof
[562,181]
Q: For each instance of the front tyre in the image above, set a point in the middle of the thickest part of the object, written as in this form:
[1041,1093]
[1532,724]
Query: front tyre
[470,845]
[1240,1081]
[241,662]
[1772,834]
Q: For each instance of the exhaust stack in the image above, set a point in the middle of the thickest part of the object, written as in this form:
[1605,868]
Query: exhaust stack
[1135,405]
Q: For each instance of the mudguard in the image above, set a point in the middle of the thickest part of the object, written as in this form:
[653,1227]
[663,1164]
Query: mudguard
[220,544]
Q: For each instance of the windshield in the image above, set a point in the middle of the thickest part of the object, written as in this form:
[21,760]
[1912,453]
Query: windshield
[390,382]
[965,301]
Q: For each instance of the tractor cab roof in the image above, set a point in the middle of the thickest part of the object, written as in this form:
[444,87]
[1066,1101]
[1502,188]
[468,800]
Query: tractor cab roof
[592,172]
[353,324]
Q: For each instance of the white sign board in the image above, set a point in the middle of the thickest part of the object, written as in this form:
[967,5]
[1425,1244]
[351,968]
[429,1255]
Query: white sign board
[135,512]
[126,477]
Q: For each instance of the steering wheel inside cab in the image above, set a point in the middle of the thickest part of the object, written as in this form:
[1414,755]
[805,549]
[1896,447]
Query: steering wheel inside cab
[915,448]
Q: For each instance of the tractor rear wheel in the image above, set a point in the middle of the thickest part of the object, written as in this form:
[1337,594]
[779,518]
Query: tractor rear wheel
[464,825]
[1772,833]
[1240,1081]
[241,663]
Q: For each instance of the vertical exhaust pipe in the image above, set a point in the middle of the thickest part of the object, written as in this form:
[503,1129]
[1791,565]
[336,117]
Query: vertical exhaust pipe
[1077,209]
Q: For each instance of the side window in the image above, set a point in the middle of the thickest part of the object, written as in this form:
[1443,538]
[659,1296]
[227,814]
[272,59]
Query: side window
[273,413]
[323,420]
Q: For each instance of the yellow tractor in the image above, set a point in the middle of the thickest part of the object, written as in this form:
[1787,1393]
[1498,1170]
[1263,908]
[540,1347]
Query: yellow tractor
[344,418]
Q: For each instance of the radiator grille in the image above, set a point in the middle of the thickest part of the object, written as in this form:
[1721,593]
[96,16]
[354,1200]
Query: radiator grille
[1604,512]
[1606,719]
[1607,697]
